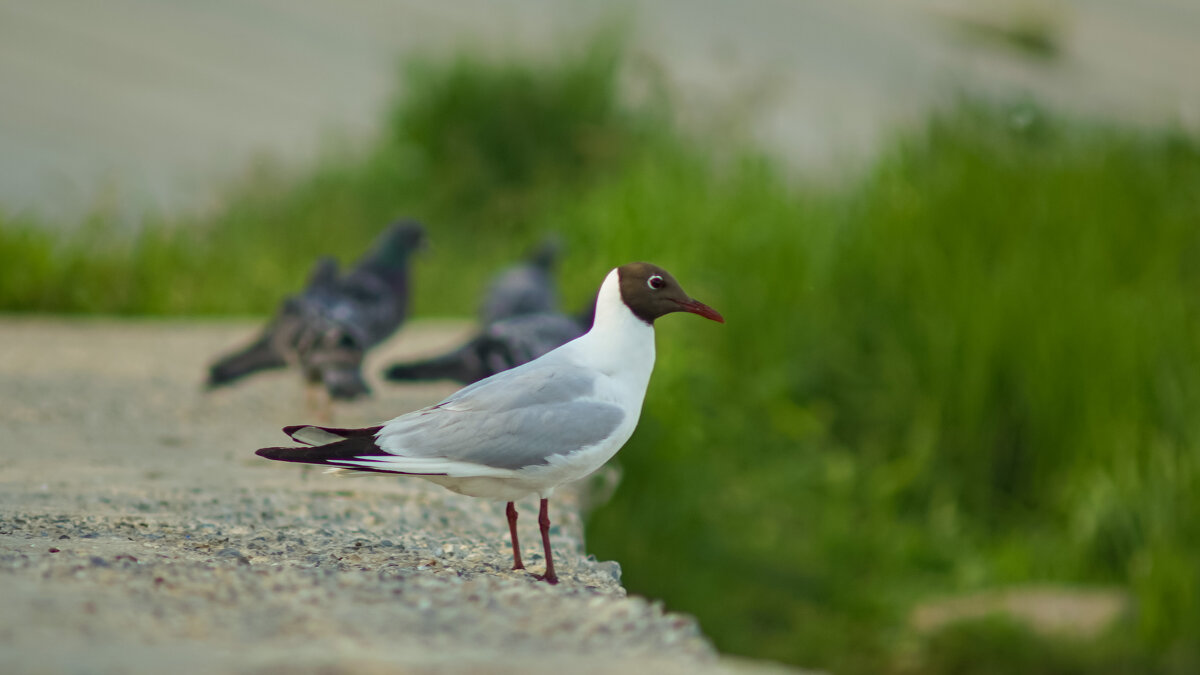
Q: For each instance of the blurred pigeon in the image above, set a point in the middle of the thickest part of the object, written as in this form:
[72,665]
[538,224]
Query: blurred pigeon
[521,322]
[327,328]
[499,346]
[525,288]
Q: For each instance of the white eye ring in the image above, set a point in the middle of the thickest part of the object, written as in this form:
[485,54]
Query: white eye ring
[655,282]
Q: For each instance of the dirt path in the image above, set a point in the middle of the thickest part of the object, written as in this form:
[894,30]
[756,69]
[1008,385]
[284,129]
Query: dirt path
[139,534]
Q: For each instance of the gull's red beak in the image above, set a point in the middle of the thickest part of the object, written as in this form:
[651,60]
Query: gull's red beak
[697,307]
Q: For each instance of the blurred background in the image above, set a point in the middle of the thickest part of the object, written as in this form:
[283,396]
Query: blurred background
[949,425]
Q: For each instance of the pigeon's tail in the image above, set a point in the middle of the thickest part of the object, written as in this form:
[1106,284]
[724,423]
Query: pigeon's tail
[329,446]
[457,365]
[258,356]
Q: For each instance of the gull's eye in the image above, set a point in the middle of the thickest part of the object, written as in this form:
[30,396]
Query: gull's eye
[656,282]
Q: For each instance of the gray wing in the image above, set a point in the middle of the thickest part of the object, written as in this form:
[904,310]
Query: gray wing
[512,420]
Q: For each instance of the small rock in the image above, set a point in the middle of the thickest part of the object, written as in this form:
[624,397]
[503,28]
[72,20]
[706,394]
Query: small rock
[235,554]
[610,568]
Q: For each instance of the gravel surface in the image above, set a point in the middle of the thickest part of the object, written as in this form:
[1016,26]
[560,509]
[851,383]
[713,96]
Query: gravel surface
[139,533]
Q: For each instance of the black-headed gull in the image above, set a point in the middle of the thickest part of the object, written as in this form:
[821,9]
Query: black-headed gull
[527,430]
[325,329]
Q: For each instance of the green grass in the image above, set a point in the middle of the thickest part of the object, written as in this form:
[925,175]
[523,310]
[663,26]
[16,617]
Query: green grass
[996,646]
[975,365]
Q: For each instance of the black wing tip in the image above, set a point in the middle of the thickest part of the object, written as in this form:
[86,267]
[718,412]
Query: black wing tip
[301,455]
[273,453]
[354,447]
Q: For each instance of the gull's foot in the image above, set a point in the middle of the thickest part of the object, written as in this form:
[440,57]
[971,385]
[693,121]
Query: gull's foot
[550,578]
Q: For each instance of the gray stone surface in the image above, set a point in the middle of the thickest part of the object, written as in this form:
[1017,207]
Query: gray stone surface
[140,534]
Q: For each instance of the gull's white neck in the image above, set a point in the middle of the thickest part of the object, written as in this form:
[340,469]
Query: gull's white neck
[619,343]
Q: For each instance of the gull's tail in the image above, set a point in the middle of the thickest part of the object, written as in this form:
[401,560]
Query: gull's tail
[355,451]
[329,446]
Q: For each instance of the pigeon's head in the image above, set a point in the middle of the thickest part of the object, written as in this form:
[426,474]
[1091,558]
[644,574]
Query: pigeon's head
[547,252]
[650,292]
[397,243]
[324,273]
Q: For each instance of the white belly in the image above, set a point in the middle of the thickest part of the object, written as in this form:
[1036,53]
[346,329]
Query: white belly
[541,480]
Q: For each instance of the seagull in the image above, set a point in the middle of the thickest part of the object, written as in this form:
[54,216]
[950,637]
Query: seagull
[527,430]
[326,329]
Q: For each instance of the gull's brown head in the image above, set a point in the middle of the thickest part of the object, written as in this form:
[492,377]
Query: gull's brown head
[650,292]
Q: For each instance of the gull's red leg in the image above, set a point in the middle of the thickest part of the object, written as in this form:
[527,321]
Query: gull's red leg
[544,521]
[512,529]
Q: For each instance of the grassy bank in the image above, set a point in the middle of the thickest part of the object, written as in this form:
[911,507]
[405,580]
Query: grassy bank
[970,368]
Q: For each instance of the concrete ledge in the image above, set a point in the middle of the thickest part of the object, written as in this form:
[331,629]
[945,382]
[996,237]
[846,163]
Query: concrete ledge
[138,532]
